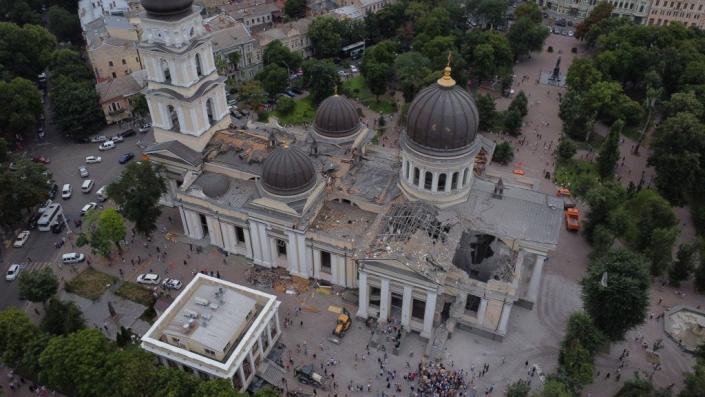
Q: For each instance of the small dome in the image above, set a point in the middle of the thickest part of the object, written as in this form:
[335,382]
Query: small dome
[287,172]
[214,185]
[164,8]
[336,117]
[443,117]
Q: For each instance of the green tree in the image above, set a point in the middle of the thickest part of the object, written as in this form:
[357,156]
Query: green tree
[580,328]
[67,62]
[615,292]
[101,228]
[410,68]
[252,94]
[277,53]
[602,11]
[20,12]
[325,36]
[694,382]
[377,77]
[234,59]
[138,191]
[582,74]
[24,51]
[512,122]
[216,388]
[75,363]
[529,10]
[295,9]
[566,149]
[683,265]
[603,200]
[17,335]
[64,24]
[129,371]
[518,389]
[575,364]
[38,286]
[526,36]
[683,102]
[577,115]
[171,382]
[76,106]
[639,387]
[29,188]
[553,388]
[699,275]
[139,105]
[677,152]
[492,12]
[285,105]
[609,151]
[321,78]
[486,64]
[503,153]
[274,79]
[520,103]
[62,318]
[23,106]
[486,110]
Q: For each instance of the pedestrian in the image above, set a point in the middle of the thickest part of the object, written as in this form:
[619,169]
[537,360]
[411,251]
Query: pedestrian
[185,263]
[217,273]
[301,324]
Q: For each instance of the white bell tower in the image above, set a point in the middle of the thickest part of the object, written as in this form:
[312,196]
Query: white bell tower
[185,94]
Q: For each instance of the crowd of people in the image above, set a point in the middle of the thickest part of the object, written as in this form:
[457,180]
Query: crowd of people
[435,380]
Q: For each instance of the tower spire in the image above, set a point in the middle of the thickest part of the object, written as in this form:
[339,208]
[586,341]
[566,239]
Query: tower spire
[446,80]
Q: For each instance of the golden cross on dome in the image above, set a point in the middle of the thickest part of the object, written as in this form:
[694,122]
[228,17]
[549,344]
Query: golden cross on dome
[446,80]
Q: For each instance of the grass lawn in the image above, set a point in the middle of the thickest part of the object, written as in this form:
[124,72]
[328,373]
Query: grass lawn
[302,113]
[136,293]
[90,284]
[577,175]
[357,88]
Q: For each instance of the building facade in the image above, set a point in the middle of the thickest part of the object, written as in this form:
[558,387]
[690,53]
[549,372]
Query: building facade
[688,13]
[117,95]
[294,35]
[216,330]
[90,10]
[230,36]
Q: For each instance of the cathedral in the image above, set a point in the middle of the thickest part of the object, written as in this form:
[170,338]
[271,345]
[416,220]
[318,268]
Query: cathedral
[427,233]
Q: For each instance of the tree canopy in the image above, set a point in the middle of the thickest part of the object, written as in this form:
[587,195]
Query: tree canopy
[21,110]
[101,230]
[137,192]
[62,318]
[321,78]
[24,51]
[38,286]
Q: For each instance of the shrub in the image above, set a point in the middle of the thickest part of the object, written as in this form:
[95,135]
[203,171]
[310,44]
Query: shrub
[574,50]
[285,105]
[566,149]
[503,153]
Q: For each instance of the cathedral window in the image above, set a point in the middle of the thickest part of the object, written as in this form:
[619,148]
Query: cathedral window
[199,67]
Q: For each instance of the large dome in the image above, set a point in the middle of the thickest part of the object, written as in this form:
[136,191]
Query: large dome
[336,117]
[166,7]
[442,117]
[287,172]
[214,185]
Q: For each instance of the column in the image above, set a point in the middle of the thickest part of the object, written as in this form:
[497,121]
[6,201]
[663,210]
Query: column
[449,180]
[406,307]
[535,281]
[364,295]
[252,362]
[481,311]
[243,381]
[504,320]
[276,324]
[292,255]
[429,314]
[422,177]
[384,301]
[269,332]
[184,221]
[434,182]
[214,231]
[260,348]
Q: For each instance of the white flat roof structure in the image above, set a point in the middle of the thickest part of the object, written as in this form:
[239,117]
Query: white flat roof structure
[212,325]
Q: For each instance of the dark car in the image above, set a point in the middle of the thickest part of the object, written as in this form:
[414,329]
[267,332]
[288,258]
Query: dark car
[83,139]
[33,221]
[290,93]
[57,227]
[53,191]
[126,157]
[296,91]
[130,132]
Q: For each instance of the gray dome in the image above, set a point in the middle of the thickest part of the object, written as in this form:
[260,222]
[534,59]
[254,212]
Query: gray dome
[442,117]
[214,185]
[287,172]
[165,8]
[336,117]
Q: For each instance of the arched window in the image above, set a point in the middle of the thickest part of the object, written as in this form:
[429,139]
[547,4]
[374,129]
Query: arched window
[441,182]
[417,175]
[454,181]
[174,118]
[465,176]
[408,171]
[165,70]
[210,111]
[428,180]
[199,67]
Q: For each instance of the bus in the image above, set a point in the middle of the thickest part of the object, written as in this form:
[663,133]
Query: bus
[52,215]
[354,50]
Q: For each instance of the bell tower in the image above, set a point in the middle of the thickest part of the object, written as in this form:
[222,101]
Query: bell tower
[185,94]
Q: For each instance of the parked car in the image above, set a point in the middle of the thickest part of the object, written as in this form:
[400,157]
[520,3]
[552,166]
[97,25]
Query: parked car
[88,207]
[148,278]
[126,157]
[353,69]
[130,132]
[72,257]
[53,191]
[21,239]
[172,283]
[290,93]
[83,172]
[41,160]
[93,159]
[117,139]
[13,272]
[66,191]
[571,33]
[58,227]
[99,139]
[107,145]
[32,224]
[145,127]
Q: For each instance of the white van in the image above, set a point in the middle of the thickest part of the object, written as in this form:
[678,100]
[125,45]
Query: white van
[72,257]
[102,193]
[107,145]
[87,186]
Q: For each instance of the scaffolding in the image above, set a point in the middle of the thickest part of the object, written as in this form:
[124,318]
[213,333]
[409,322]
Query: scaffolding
[403,220]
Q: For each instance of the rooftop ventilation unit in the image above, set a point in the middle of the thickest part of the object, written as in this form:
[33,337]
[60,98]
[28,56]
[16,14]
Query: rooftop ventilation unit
[201,301]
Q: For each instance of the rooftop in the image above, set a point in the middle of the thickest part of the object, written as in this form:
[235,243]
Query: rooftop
[343,220]
[351,12]
[120,87]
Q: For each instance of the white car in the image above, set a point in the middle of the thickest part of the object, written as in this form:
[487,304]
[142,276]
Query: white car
[93,159]
[99,138]
[172,283]
[13,272]
[107,145]
[66,191]
[117,139]
[21,239]
[83,171]
[148,278]
[353,69]
[145,127]
[88,207]
[570,33]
